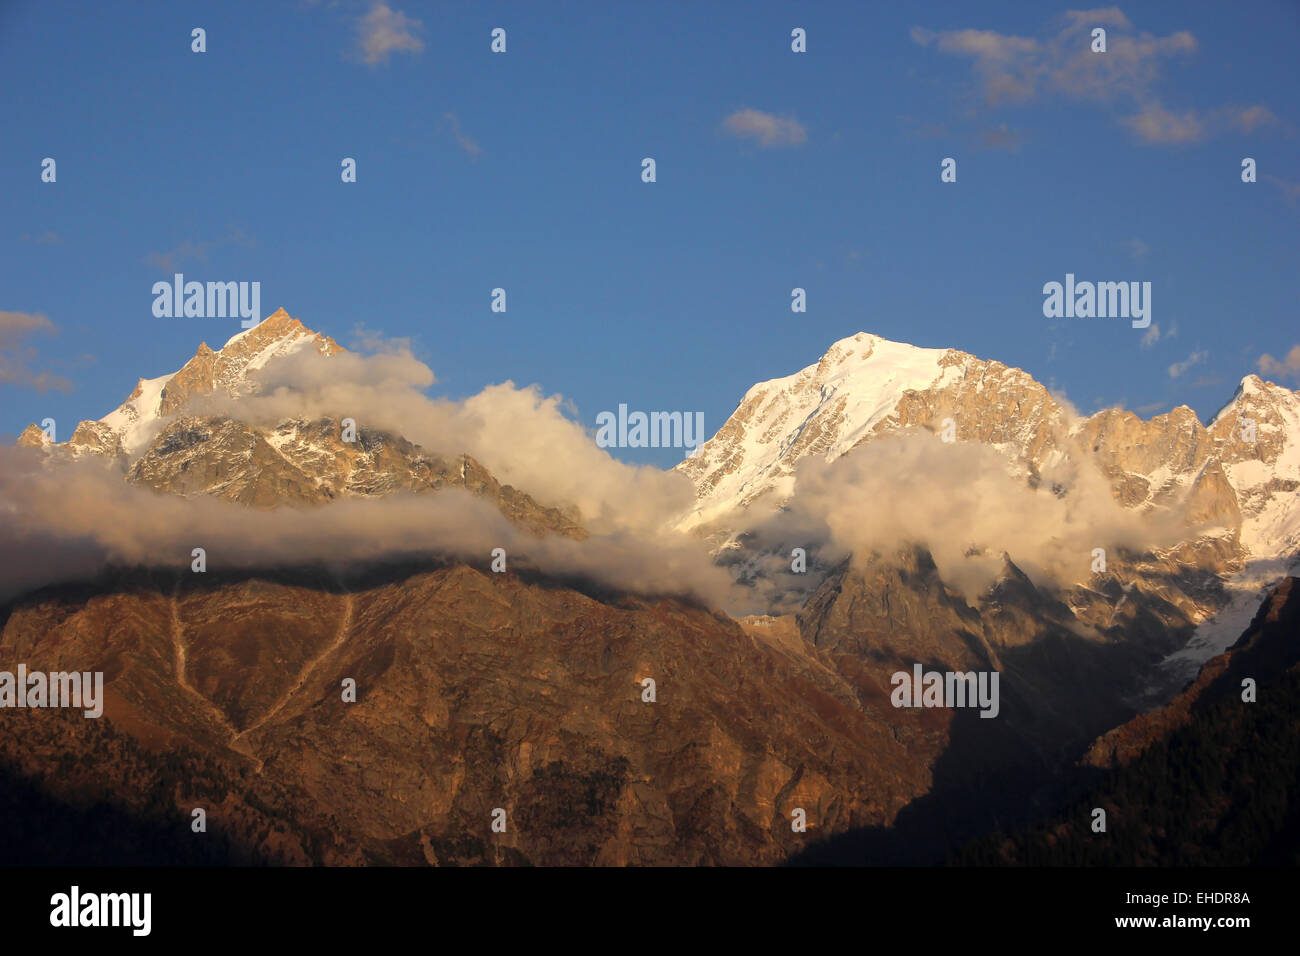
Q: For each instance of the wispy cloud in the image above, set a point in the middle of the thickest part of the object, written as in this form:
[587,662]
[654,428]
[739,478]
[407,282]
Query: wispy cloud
[1020,69]
[464,141]
[1008,66]
[766,129]
[1251,118]
[1002,137]
[48,238]
[1137,248]
[1155,334]
[1290,190]
[1179,369]
[385,31]
[1288,367]
[196,250]
[188,251]
[18,360]
[923,130]
[1154,124]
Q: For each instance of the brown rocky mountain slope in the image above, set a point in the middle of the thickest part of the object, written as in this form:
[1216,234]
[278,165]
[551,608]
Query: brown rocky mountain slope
[478,691]
[474,691]
[1211,779]
[1268,648]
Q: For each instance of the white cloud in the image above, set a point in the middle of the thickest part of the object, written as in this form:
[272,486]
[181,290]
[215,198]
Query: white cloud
[384,31]
[965,507]
[1289,367]
[1178,369]
[1020,69]
[1156,334]
[765,128]
[521,435]
[70,521]
[76,518]
[1155,124]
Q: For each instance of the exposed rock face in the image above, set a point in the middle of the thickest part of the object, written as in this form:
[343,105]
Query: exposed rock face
[865,387]
[474,691]
[151,439]
[1268,648]
[98,438]
[126,432]
[378,463]
[1257,439]
[481,691]
[1209,780]
[1060,681]
[309,463]
[1235,498]
[225,459]
[278,334]
[33,437]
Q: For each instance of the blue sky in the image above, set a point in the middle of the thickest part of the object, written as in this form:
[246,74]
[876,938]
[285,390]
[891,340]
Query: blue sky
[522,170]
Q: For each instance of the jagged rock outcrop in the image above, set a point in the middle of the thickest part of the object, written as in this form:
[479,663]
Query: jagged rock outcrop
[33,437]
[1234,499]
[479,690]
[309,463]
[155,443]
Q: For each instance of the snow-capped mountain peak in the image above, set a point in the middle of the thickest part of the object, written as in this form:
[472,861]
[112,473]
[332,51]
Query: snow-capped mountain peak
[862,385]
[134,423]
